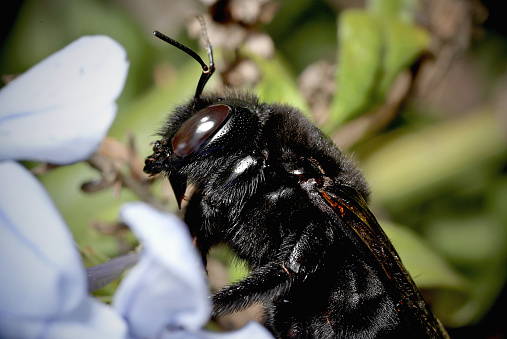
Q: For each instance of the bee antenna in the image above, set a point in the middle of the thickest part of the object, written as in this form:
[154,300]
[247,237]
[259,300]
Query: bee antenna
[207,71]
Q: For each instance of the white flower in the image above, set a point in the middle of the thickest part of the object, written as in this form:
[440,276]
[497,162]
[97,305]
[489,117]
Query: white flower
[165,295]
[59,111]
[43,293]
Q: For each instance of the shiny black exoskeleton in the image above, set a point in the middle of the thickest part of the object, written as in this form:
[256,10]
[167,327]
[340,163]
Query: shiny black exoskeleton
[273,187]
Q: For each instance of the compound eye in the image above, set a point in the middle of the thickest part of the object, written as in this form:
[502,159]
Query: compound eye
[196,130]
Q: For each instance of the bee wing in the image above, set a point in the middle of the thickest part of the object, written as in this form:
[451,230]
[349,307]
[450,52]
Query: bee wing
[60,110]
[349,205]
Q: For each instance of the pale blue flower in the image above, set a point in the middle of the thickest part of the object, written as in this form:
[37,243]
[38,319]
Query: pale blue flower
[166,295]
[169,267]
[60,110]
[43,292]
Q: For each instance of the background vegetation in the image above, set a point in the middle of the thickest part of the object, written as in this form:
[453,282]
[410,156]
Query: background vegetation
[413,90]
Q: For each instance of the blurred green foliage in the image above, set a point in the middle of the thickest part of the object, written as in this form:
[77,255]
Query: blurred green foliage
[438,179]
[375,45]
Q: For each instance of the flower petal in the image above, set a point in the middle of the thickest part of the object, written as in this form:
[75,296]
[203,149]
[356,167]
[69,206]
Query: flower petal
[167,289]
[43,293]
[92,319]
[250,330]
[37,250]
[60,110]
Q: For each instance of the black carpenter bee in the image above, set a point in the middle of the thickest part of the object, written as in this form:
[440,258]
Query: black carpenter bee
[273,187]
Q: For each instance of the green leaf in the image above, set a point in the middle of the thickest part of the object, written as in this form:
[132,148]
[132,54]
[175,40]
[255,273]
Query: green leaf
[410,164]
[431,272]
[426,267]
[398,9]
[476,243]
[359,63]
[404,42]
[374,47]
[278,85]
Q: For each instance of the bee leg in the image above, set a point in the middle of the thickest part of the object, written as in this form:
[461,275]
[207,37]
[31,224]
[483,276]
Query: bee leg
[309,250]
[265,283]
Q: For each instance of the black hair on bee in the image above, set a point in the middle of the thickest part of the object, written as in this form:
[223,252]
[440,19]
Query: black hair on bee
[275,188]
